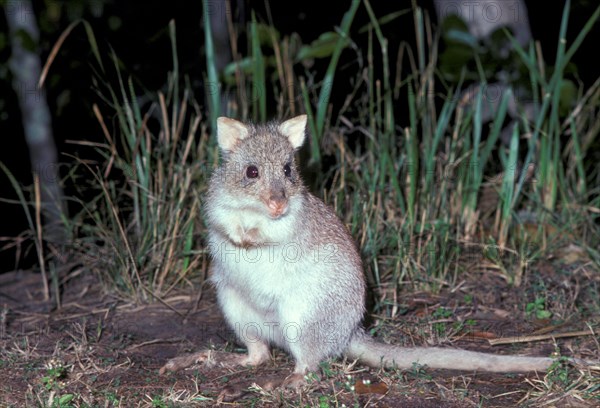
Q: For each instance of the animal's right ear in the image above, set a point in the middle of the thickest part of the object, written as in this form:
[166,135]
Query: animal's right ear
[229,133]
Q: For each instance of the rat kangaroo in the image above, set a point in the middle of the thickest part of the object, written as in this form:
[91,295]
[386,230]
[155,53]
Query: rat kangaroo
[287,271]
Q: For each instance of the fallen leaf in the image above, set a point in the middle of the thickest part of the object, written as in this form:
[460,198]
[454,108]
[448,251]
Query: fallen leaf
[572,254]
[378,388]
[480,335]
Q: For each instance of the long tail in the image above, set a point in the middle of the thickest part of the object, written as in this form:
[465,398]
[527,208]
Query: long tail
[376,354]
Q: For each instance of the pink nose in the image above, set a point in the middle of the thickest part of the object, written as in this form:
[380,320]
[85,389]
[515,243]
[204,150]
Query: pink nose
[277,207]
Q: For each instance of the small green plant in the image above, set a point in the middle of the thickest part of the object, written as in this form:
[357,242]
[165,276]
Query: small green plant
[327,370]
[419,372]
[324,401]
[441,313]
[157,402]
[538,309]
[63,401]
[467,324]
[55,374]
[111,399]
[558,373]
[312,377]
[53,382]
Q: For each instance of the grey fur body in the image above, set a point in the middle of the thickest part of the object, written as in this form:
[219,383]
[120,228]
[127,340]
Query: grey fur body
[286,270]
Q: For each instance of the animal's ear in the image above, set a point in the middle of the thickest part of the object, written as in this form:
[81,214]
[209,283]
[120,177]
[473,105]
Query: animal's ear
[295,130]
[229,133]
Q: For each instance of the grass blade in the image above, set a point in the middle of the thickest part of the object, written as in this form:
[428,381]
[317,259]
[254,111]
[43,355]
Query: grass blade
[214,95]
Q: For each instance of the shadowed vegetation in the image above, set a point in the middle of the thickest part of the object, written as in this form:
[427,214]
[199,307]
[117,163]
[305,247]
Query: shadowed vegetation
[434,193]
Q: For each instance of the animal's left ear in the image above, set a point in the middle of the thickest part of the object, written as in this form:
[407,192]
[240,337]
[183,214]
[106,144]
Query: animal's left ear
[295,130]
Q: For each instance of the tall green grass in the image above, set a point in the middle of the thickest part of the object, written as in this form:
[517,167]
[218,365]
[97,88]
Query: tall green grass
[144,226]
[417,206]
[413,187]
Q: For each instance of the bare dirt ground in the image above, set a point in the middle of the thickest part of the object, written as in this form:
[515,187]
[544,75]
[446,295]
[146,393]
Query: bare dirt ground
[100,351]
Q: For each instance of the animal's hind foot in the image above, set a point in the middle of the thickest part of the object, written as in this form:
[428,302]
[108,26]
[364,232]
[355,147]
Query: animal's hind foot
[209,358]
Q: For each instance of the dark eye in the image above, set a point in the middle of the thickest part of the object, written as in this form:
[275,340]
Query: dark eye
[252,172]
[287,170]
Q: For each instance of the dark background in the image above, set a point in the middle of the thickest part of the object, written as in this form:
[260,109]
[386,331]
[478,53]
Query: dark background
[138,33]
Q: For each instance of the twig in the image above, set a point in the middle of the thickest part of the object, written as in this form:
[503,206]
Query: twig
[150,342]
[525,339]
